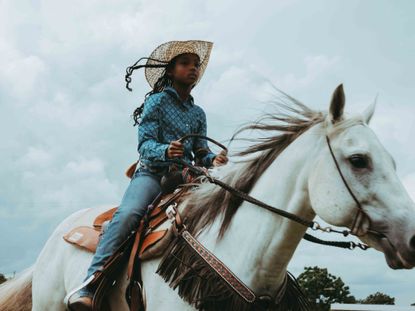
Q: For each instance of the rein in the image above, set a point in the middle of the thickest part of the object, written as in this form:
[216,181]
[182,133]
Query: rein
[315,226]
[185,281]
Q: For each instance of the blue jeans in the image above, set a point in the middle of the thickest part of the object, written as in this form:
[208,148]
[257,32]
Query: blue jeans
[142,190]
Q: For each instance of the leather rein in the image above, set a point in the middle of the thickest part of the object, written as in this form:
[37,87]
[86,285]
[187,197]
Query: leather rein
[260,302]
[314,225]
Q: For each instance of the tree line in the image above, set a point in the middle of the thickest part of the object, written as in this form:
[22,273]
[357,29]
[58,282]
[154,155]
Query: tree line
[324,289]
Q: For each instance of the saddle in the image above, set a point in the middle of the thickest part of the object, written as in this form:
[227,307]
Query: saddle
[87,237]
[147,242]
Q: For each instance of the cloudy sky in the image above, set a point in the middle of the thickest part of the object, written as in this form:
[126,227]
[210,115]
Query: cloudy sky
[66,132]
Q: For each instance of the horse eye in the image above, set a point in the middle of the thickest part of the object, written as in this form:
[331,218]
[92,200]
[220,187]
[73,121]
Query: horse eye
[359,161]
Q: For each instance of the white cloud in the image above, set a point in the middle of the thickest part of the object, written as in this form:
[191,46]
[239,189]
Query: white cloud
[22,75]
[35,156]
[56,190]
[315,68]
[66,134]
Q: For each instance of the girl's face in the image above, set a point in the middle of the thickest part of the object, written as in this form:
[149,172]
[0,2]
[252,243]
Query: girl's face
[186,69]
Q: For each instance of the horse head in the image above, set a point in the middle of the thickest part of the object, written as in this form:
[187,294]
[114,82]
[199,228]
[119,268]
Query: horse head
[376,207]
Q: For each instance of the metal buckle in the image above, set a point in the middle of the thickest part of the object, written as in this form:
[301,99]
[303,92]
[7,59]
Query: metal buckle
[316,226]
[171,211]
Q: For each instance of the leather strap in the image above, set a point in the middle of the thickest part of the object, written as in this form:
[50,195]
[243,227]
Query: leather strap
[151,239]
[349,245]
[134,251]
[260,302]
[134,265]
[98,222]
[360,214]
[341,174]
[105,278]
[233,281]
[203,137]
[310,224]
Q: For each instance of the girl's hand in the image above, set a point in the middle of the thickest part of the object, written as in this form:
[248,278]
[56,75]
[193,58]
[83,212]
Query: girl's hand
[175,149]
[220,159]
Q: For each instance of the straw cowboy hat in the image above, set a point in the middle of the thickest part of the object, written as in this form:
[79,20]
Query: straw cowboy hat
[165,52]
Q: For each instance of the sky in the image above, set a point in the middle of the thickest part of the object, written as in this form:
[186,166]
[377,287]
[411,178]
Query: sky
[66,133]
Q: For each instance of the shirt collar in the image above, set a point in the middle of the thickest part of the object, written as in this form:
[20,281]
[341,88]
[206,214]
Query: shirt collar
[172,91]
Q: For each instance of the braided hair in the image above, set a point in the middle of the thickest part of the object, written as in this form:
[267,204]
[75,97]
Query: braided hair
[164,81]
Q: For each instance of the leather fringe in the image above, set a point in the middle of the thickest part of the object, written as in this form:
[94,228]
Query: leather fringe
[202,287]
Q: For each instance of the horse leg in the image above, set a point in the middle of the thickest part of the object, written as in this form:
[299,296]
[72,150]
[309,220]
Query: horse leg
[15,294]
[159,295]
[48,277]
[58,268]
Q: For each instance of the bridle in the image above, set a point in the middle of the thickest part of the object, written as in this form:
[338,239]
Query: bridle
[360,214]
[314,225]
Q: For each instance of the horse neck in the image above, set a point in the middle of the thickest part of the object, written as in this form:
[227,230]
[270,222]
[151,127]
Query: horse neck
[259,244]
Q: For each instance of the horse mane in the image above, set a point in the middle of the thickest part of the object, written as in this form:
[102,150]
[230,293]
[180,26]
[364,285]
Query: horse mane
[208,201]
[182,267]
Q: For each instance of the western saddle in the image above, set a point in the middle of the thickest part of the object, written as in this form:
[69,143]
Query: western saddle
[147,242]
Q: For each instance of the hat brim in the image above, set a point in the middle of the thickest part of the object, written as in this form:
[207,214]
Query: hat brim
[169,50]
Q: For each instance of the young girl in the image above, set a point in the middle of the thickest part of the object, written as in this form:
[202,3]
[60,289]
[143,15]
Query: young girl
[168,113]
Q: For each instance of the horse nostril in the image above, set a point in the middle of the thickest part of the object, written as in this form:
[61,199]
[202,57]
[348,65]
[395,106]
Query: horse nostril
[412,242]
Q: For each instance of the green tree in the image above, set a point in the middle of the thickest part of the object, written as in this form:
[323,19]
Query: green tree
[378,299]
[323,288]
[2,278]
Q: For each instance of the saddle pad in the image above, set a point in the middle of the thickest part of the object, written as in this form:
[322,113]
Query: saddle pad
[88,238]
[106,216]
[84,237]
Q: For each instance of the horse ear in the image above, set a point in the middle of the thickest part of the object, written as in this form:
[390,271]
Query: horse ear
[368,113]
[337,104]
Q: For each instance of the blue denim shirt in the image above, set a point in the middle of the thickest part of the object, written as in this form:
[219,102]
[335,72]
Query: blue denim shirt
[165,118]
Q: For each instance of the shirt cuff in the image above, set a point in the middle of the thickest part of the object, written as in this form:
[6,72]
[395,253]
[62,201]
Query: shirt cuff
[163,156]
[208,159]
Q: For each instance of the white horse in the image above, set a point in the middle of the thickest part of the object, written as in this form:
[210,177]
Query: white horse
[291,169]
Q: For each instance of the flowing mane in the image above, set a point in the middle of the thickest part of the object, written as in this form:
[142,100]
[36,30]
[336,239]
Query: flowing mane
[181,266]
[209,201]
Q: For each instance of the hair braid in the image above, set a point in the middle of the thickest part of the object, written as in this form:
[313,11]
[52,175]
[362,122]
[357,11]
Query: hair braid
[164,81]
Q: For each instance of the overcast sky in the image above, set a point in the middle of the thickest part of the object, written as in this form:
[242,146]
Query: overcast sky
[65,126]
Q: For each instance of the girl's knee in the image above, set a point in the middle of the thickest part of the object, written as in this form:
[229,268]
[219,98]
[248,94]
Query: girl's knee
[128,218]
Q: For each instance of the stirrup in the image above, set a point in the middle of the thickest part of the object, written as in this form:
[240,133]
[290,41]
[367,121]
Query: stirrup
[85,283]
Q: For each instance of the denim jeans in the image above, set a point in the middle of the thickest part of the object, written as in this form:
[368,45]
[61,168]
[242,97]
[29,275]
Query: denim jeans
[142,190]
